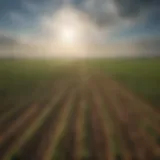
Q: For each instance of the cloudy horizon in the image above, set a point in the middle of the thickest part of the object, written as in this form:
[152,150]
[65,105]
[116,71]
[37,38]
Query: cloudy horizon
[111,28]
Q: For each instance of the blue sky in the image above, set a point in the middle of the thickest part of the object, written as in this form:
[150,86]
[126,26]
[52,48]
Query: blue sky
[17,9]
[120,19]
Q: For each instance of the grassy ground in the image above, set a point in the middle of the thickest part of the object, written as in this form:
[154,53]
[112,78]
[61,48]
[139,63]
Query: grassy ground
[74,108]
[18,78]
[142,76]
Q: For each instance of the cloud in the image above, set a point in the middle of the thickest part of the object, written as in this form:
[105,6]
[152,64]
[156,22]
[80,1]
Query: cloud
[117,12]
[148,47]
[31,6]
[102,11]
[7,41]
[17,18]
[7,45]
[132,8]
[145,47]
[33,21]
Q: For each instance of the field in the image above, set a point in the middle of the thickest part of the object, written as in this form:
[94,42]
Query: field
[95,109]
[142,76]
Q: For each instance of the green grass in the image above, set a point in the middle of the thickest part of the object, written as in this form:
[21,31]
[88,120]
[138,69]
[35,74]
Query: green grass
[142,76]
[20,77]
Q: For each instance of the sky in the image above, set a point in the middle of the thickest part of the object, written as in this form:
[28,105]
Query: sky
[97,27]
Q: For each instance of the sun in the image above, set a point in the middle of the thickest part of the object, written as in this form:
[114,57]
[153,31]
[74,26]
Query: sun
[67,35]
[69,27]
[70,32]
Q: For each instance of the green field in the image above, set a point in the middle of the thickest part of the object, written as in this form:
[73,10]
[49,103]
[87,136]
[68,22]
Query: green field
[50,107]
[18,78]
[142,76]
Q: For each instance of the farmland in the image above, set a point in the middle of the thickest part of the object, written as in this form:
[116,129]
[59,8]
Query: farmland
[79,110]
[141,76]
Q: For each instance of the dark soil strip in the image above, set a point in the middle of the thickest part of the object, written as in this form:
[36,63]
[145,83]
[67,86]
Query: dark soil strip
[88,131]
[129,128]
[41,96]
[15,137]
[66,147]
[120,122]
[10,140]
[29,151]
[97,137]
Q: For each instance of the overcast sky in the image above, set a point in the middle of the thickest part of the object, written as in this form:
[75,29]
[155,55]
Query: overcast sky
[123,26]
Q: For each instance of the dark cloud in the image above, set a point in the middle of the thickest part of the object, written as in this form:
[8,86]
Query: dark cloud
[19,5]
[26,8]
[129,8]
[149,46]
[113,12]
[152,43]
[153,19]
[7,5]
[7,41]
[97,9]
[103,12]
